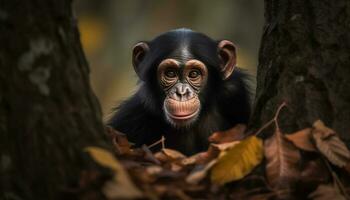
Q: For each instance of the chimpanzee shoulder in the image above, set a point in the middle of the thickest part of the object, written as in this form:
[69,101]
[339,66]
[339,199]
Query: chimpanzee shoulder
[135,119]
[235,97]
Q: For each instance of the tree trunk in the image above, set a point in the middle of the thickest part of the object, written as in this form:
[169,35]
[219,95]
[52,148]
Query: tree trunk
[48,112]
[305,62]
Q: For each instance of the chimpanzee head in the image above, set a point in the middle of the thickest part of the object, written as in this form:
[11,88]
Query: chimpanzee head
[182,68]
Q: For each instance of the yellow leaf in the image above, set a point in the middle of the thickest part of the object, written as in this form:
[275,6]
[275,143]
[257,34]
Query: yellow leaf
[121,186]
[104,158]
[238,161]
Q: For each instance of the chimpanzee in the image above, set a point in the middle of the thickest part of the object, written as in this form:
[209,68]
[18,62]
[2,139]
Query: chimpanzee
[189,88]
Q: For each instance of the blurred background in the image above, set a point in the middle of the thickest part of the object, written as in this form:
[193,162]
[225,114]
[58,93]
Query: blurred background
[110,28]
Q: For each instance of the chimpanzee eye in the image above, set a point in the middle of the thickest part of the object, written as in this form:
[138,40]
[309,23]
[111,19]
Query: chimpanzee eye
[170,73]
[194,74]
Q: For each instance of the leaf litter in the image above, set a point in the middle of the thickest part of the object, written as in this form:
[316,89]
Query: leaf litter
[234,162]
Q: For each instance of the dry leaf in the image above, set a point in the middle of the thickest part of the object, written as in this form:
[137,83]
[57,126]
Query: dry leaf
[302,139]
[198,158]
[235,133]
[326,132]
[237,162]
[169,155]
[121,185]
[148,155]
[200,172]
[173,154]
[331,147]
[175,167]
[213,152]
[327,192]
[161,156]
[282,159]
[119,140]
[153,169]
[225,146]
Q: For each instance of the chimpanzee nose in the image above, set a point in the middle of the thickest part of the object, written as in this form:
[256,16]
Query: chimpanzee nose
[182,92]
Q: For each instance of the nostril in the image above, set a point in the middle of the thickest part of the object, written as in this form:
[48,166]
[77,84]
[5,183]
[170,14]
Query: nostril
[189,95]
[187,91]
[178,93]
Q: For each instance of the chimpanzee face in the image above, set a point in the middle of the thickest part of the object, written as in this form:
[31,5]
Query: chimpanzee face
[182,76]
[182,81]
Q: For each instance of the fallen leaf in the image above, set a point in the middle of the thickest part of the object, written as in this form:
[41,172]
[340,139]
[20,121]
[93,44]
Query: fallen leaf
[169,155]
[148,155]
[119,141]
[326,192]
[326,132]
[238,161]
[161,156]
[173,154]
[199,172]
[153,169]
[235,133]
[121,186]
[198,158]
[204,157]
[225,146]
[302,139]
[282,159]
[332,148]
[175,167]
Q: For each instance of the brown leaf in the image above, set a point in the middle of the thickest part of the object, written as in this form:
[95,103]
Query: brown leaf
[331,147]
[302,139]
[235,133]
[326,132]
[161,156]
[153,169]
[170,155]
[198,158]
[327,192]
[119,141]
[173,154]
[282,161]
[213,152]
[175,167]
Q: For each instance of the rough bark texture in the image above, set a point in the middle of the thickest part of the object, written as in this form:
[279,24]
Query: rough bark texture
[48,113]
[305,61]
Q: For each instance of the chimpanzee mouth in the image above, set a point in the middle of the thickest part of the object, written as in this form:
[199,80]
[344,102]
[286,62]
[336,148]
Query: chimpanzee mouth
[181,113]
[183,116]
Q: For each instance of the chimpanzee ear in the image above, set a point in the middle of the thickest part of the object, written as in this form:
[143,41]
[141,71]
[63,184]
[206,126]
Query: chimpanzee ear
[138,54]
[227,54]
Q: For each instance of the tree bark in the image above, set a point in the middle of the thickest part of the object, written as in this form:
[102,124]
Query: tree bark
[304,61]
[48,112]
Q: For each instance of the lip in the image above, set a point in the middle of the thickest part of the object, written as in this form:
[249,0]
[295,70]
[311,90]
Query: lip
[182,117]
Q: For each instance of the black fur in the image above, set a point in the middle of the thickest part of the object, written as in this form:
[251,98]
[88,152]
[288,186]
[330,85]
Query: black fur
[224,102]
